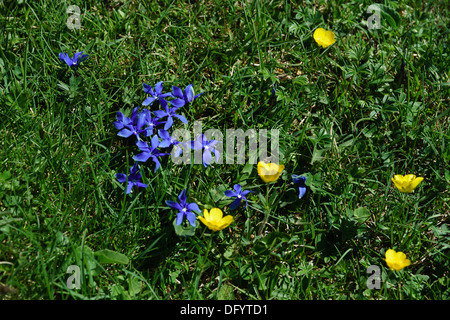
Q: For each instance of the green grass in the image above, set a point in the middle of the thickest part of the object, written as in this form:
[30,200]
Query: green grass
[351,116]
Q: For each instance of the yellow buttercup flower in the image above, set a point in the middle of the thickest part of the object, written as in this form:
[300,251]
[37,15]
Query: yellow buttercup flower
[215,220]
[406,183]
[396,260]
[324,38]
[269,172]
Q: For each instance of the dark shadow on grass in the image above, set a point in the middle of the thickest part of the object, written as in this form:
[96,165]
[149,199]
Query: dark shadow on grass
[158,247]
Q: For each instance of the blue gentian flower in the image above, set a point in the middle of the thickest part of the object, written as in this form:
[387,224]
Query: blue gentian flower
[151,123]
[168,140]
[239,194]
[122,121]
[183,97]
[208,147]
[155,95]
[149,152]
[185,209]
[134,179]
[77,58]
[125,122]
[130,126]
[170,114]
[302,187]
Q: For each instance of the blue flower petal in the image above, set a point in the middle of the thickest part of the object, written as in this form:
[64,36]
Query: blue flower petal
[302,191]
[142,157]
[235,203]
[174,205]
[182,196]
[125,133]
[191,218]
[129,187]
[159,87]
[169,123]
[193,207]
[147,89]
[148,101]
[230,193]
[189,93]
[143,146]
[177,92]
[180,216]
[244,193]
[181,118]
[207,158]
[177,103]
[121,177]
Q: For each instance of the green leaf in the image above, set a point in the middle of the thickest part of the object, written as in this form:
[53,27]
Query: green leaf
[361,214]
[85,254]
[119,292]
[109,256]
[5,176]
[248,168]
[217,193]
[225,292]
[317,155]
[301,80]
[390,15]
[183,230]
[134,285]
[63,86]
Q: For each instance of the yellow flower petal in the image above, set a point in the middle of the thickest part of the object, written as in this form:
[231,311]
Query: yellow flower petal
[226,221]
[206,214]
[204,221]
[415,183]
[215,215]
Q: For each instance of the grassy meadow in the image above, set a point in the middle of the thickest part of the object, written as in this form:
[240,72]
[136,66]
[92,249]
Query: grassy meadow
[350,116]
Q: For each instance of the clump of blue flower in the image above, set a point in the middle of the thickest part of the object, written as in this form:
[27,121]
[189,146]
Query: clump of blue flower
[144,126]
[149,130]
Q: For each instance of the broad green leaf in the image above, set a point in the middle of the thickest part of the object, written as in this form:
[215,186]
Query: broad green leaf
[85,254]
[183,230]
[317,155]
[134,285]
[390,15]
[109,256]
[225,292]
[301,80]
[361,214]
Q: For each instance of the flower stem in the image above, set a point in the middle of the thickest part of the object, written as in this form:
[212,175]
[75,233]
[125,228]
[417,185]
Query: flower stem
[266,211]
